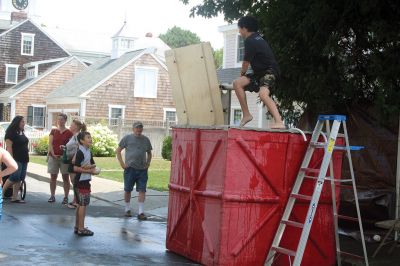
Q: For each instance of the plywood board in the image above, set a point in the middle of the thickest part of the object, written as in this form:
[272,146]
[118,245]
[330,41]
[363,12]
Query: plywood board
[195,85]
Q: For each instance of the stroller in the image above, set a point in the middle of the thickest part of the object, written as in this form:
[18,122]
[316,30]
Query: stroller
[22,190]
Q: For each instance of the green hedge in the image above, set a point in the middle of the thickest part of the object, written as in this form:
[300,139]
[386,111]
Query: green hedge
[166,151]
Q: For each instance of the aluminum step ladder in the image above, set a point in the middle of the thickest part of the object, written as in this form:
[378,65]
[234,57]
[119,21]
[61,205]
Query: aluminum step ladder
[328,146]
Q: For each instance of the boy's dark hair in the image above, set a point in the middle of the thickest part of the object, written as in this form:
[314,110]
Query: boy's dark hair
[248,22]
[82,135]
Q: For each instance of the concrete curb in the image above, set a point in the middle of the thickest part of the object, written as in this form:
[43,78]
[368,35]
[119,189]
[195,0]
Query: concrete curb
[60,184]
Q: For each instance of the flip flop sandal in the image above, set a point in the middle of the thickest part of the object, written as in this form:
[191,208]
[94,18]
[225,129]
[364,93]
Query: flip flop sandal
[85,232]
[76,229]
[65,201]
[52,199]
[72,205]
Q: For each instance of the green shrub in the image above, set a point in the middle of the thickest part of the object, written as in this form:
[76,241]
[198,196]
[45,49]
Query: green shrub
[42,145]
[166,151]
[104,141]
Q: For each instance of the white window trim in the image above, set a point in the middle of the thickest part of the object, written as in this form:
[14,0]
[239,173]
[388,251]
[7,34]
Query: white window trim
[23,34]
[16,73]
[233,108]
[110,106]
[238,64]
[169,110]
[44,114]
[149,68]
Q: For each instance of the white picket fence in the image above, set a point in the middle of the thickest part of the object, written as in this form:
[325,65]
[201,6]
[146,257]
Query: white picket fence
[155,130]
[32,136]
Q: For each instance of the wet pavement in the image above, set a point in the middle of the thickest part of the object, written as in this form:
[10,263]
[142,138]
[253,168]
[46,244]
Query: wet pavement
[40,233]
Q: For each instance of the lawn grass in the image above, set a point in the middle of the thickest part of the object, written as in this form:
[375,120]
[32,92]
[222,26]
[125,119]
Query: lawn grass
[159,170]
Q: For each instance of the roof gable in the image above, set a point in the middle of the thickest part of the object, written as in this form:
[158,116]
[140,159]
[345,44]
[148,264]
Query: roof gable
[26,83]
[95,75]
[38,28]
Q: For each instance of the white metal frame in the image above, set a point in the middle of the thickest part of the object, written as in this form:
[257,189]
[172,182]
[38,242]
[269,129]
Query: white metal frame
[326,165]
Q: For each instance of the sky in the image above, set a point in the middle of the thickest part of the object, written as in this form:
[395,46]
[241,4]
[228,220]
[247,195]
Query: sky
[104,16]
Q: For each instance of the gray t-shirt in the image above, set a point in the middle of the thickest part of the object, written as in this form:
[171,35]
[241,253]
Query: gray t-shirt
[135,150]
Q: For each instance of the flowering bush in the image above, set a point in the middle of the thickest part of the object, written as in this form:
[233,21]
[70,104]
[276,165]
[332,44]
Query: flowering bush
[104,141]
[42,145]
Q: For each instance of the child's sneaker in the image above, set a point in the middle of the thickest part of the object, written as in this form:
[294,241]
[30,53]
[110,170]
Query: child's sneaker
[142,217]
[128,213]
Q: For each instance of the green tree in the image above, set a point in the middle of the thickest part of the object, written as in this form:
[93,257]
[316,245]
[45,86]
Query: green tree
[218,55]
[333,55]
[177,37]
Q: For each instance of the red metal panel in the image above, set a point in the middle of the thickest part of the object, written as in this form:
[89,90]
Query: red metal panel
[228,190]
[196,185]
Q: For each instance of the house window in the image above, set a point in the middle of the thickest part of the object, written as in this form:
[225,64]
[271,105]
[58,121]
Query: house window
[31,73]
[27,43]
[236,116]
[115,112]
[146,82]
[36,116]
[240,48]
[170,115]
[127,44]
[11,74]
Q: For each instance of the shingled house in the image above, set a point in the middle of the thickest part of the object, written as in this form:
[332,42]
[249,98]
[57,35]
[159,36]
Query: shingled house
[20,45]
[28,97]
[130,84]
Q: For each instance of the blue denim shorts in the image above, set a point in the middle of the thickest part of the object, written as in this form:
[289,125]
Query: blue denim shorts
[20,174]
[134,176]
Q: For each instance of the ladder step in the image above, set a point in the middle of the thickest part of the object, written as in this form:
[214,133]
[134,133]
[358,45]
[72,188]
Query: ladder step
[284,251]
[351,255]
[349,218]
[329,179]
[352,148]
[299,196]
[332,117]
[292,223]
[345,186]
[317,144]
[310,170]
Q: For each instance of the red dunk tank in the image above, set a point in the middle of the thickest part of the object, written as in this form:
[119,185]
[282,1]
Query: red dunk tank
[228,191]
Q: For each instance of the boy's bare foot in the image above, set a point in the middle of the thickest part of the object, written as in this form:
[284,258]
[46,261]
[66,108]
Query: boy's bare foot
[245,120]
[278,126]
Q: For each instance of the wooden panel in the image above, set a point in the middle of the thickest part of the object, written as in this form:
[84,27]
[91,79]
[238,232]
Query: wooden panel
[195,85]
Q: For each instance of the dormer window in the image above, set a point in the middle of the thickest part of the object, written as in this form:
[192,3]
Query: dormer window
[27,43]
[31,73]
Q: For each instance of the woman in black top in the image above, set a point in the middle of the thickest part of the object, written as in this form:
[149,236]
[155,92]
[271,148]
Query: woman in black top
[17,146]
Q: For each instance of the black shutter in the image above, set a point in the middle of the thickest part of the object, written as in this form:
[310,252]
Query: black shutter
[44,117]
[29,119]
